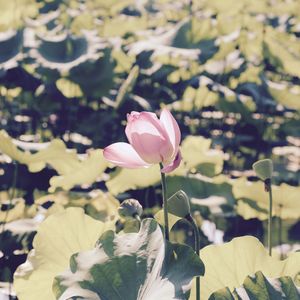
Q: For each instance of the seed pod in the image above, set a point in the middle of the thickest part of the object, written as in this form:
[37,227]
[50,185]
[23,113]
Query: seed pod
[179,204]
[263,169]
[130,208]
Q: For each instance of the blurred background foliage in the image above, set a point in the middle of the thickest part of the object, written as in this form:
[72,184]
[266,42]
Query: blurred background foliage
[71,70]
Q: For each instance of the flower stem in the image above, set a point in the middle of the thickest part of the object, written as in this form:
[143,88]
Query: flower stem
[190,219]
[268,188]
[280,232]
[164,198]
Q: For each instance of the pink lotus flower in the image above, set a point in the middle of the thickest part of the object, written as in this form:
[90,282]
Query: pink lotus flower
[152,141]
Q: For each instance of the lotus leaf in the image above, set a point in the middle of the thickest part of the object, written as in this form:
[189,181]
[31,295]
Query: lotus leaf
[130,266]
[259,287]
[58,237]
[229,264]
[85,173]
[14,211]
[253,201]
[54,153]
[11,44]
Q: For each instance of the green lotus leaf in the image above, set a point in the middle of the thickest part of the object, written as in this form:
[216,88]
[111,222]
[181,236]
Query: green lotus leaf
[259,287]
[84,21]
[283,51]
[62,198]
[225,60]
[196,99]
[11,46]
[250,75]
[229,264]
[53,153]
[107,8]
[86,172]
[68,88]
[175,42]
[14,13]
[72,170]
[196,153]
[122,24]
[58,237]
[225,6]
[172,219]
[132,266]
[127,179]
[100,205]
[124,61]
[285,8]
[250,42]
[202,188]
[64,51]
[95,76]
[253,201]
[285,94]
[15,210]
[228,100]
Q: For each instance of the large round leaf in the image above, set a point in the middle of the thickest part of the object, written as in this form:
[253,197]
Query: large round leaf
[229,264]
[54,153]
[58,237]
[259,287]
[132,266]
[72,171]
[86,172]
[11,44]
[253,201]
[63,52]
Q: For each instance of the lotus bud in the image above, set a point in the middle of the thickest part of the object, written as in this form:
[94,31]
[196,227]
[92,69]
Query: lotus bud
[130,208]
[179,204]
[263,169]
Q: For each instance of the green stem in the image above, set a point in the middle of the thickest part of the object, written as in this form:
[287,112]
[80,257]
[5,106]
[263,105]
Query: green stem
[191,20]
[268,186]
[164,198]
[280,232]
[190,219]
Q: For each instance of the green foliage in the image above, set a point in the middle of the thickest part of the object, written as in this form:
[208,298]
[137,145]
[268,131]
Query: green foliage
[259,287]
[72,171]
[13,13]
[229,264]
[153,268]
[60,236]
[230,72]
[253,200]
